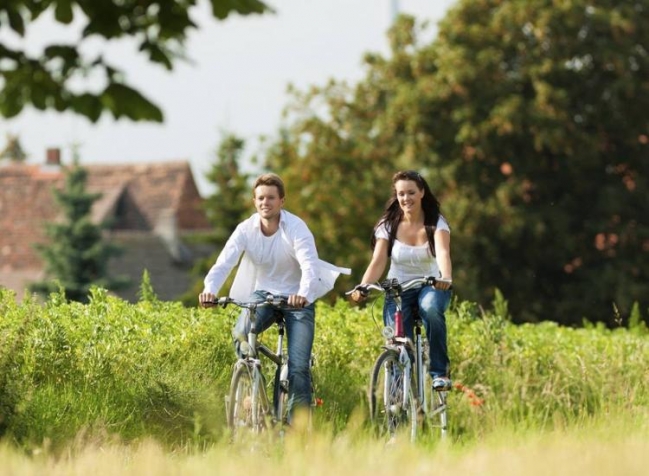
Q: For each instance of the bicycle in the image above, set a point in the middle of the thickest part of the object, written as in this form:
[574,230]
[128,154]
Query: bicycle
[248,404]
[400,394]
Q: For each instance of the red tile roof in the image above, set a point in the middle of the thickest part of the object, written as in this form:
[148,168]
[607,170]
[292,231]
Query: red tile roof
[138,196]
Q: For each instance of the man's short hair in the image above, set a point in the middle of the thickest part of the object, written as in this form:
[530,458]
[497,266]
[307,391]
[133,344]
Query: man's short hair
[270,179]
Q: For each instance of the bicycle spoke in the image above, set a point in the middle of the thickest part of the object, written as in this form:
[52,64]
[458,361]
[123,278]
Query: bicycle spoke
[246,404]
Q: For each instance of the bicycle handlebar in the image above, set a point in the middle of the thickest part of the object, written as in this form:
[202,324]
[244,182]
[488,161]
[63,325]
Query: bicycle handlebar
[271,300]
[390,285]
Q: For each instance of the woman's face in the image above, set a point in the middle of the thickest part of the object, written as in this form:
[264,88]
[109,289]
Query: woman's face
[408,195]
[267,201]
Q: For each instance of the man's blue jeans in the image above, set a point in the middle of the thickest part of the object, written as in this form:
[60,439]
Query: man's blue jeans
[300,331]
[431,304]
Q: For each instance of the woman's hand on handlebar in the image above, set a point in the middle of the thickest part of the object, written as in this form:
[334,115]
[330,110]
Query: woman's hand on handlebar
[359,294]
[443,284]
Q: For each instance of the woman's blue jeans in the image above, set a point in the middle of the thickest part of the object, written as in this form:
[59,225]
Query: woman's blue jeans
[431,304]
[300,331]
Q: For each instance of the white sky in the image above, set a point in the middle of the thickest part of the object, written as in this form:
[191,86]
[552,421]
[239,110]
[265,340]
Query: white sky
[237,80]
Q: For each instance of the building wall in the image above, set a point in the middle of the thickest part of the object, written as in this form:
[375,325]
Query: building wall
[141,250]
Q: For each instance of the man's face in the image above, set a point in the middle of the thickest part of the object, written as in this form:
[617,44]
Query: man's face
[267,201]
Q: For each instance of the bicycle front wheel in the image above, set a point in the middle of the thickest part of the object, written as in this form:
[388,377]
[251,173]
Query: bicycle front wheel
[393,407]
[246,403]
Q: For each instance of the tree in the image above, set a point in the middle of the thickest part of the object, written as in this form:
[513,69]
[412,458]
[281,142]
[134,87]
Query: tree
[13,151]
[51,80]
[230,203]
[548,132]
[232,198]
[77,255]
[528,119]
[341,145]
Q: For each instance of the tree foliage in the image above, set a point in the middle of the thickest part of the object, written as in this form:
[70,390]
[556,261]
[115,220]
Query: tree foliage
[159,27]
[342,144]
[76,256]
[547,103]
[232,199]
[528,118]
[230,203]
[13,151]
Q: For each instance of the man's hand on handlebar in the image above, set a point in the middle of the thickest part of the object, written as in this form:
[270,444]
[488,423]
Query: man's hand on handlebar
[206,299]
[297,301]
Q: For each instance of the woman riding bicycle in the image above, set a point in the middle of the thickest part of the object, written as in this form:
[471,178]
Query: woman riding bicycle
[280,257]
[415,238]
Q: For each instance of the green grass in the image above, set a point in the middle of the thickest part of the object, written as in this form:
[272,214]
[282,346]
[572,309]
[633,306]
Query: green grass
[156,371]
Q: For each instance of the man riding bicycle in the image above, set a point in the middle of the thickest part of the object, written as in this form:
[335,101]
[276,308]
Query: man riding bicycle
[279,257]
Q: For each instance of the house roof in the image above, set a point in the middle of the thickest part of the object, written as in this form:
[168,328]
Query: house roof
[148,196]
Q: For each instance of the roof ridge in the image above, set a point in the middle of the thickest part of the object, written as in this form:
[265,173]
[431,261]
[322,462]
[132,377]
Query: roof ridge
[177,199]
[176,162]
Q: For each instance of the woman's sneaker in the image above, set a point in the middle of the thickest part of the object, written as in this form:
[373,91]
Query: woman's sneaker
[442,384]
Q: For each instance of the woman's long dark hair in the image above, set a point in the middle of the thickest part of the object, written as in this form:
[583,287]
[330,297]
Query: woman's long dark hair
[392,213]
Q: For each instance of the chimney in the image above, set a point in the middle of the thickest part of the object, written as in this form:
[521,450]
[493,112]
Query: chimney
[53,157]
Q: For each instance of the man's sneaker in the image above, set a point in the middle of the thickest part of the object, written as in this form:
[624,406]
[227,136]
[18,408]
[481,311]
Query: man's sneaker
[442,384]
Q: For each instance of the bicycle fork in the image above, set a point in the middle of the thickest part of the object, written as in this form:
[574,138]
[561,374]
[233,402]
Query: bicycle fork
[419,359]
[404,359]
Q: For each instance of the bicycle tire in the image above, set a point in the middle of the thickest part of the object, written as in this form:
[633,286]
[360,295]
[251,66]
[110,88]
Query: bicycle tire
[390,412]
[246,404]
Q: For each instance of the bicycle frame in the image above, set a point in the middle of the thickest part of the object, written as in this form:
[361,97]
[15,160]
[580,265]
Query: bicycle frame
[259,405]
[399,342]
[252,360]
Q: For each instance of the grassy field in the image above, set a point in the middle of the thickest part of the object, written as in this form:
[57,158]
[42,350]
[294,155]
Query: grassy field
[608,447]
[118,388]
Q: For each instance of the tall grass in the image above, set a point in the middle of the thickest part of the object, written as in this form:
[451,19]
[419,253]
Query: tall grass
[158,371]
[602,447]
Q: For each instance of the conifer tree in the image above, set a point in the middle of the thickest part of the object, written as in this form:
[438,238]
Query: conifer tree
[232,199]
[77,254]
[13,151]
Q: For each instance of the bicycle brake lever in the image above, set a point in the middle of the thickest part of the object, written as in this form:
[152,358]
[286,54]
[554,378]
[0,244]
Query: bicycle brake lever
[276,300]
[390,284]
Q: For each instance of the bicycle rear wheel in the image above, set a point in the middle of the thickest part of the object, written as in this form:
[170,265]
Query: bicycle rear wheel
[280,395]
[281,400]
[437,411]
[391,410]
[247,404]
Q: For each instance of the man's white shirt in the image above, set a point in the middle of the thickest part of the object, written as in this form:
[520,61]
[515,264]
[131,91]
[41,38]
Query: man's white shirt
[284,263]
